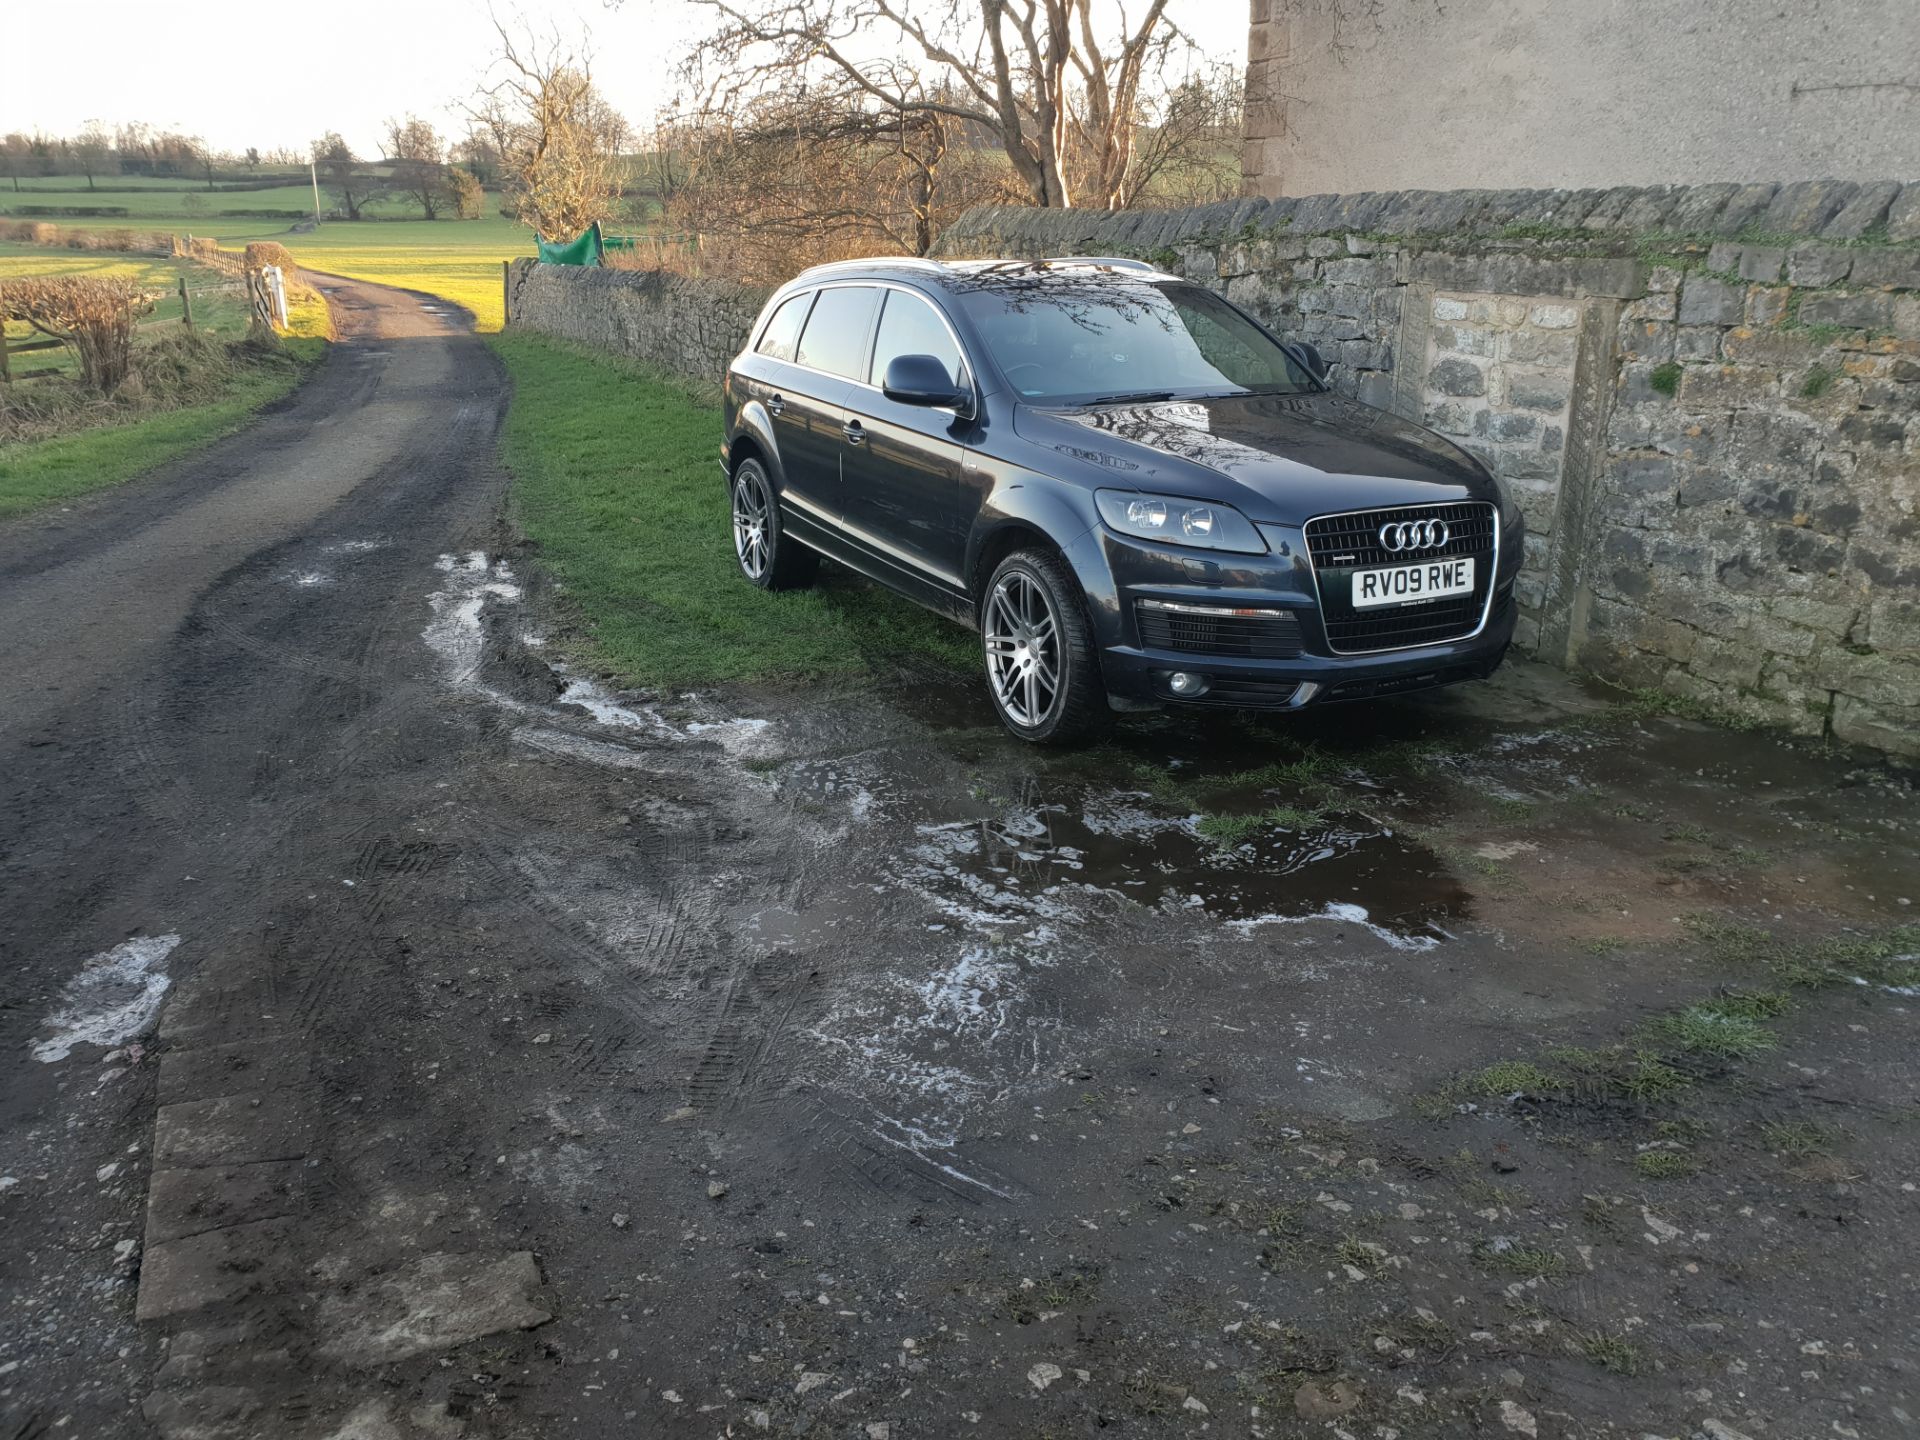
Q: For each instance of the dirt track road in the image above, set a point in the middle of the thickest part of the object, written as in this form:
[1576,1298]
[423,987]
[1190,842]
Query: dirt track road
[403,1037]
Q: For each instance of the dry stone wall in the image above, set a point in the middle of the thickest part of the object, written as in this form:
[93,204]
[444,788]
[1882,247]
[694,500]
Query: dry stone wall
[691,328]
[1706,398]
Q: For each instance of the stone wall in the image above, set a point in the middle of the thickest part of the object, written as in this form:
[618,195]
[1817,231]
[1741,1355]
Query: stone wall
[692,328]
[1707,400]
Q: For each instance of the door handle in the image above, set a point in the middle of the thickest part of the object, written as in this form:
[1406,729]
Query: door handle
[854,432]
[777,404]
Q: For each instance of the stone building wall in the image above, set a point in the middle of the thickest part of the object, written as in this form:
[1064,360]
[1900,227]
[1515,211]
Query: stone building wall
[1348,96]
[1707,399]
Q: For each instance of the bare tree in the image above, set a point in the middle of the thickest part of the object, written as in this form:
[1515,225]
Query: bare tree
[468,197]
[92,150]
[344,173]
[479,153]
[16,155]
[1188,151]
[798,180]
[417,159]
[1061,98]
[560,141]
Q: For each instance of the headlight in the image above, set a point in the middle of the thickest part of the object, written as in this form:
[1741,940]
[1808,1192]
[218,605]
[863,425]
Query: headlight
[1180,522]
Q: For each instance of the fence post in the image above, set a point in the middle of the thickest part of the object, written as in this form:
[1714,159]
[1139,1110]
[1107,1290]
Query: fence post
[186,304]
[6,374]
[506,293]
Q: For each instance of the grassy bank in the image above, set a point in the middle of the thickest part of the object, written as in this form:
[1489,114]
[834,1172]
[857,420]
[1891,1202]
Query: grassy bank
[43,472]
[192,389]
[616,479]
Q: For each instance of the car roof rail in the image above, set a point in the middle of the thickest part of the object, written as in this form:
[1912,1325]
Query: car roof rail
[1117,262]
[915,262]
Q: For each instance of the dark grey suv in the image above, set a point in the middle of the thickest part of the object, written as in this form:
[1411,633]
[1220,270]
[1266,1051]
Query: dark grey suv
[1135,493]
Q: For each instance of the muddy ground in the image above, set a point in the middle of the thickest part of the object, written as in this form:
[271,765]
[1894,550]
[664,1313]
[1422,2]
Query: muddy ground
[407,1035]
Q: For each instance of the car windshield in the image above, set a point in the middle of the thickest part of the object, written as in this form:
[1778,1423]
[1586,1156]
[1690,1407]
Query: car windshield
[1078,337]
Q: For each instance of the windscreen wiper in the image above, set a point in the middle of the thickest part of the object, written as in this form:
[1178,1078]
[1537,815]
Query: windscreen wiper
[1139,397]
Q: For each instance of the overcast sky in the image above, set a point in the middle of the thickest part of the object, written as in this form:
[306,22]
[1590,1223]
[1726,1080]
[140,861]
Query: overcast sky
[350,66]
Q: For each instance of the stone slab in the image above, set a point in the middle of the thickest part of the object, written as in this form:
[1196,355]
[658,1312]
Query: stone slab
[232,1130]
[433,1303]
[206,1072]
[190,1201]
[217,1267]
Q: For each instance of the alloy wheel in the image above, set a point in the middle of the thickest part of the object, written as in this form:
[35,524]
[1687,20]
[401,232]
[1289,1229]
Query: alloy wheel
[752,507]
[1022,636]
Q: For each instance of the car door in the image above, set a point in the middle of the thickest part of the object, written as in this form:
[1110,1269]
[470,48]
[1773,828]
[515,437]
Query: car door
[900,475]
[809,407]
[769,376]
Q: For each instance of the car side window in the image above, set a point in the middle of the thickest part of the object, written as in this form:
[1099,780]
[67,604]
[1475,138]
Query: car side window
[780,340]
[835,339]
[911,326]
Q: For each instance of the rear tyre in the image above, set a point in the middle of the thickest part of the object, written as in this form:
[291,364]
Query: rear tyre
[1042,671]
[767,556]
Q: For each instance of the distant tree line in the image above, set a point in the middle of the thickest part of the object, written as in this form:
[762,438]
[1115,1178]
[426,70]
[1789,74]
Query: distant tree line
[98,154]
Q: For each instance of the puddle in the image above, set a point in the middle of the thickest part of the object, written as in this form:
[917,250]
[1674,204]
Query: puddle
[1036,869]
[457,636]
[112,999]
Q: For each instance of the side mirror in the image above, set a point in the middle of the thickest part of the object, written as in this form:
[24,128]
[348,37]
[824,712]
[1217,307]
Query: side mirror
[922,380]
[1308,354]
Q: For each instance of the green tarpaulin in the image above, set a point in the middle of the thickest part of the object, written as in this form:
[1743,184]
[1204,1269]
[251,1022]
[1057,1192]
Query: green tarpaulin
[584,251]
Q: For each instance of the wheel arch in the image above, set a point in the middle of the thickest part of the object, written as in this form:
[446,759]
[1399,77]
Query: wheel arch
[753,440]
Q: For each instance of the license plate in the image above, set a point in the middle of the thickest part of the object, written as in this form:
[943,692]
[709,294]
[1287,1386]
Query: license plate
[1410,584]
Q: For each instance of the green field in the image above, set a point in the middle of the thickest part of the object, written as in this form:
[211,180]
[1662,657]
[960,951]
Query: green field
[457,259]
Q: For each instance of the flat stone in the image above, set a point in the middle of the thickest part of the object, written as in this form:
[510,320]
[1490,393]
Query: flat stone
[209,1071]
[433,1303]
[208,1412]
[219,1266]
[231,1130]
[189,1201]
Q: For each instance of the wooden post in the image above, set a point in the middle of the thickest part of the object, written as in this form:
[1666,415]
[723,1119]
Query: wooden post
[313,174]
[186,304]
[6,375]
[506,292]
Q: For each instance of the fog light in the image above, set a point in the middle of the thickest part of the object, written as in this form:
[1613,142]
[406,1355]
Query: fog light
[1186,684]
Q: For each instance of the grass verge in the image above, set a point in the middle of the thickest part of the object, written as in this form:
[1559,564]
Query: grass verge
[617,481]
[34,473]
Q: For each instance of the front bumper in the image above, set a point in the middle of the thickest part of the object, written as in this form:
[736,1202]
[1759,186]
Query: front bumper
[1119,573]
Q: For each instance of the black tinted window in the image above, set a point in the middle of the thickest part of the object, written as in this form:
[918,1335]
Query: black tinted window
[909,326]
[836,335]
[781,337]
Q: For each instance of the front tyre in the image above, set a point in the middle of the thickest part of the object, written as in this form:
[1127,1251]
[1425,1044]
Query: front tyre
[767,557]
[1041,668]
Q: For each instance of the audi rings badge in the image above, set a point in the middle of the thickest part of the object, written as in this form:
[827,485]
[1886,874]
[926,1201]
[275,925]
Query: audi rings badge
[1401,536]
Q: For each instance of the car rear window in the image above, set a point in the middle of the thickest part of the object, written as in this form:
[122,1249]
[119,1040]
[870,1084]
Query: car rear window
[780,340]
[836,334]
[910,326]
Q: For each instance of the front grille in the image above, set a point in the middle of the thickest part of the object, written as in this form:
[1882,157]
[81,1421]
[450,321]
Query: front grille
[1218,630]
[1341,544]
